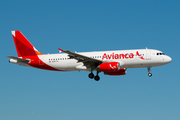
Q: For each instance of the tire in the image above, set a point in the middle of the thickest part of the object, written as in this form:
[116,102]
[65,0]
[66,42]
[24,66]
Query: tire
[149,74]
[91,75]
[96,78]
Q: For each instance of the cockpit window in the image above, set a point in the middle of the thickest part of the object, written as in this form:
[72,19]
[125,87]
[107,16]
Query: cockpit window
[160,54]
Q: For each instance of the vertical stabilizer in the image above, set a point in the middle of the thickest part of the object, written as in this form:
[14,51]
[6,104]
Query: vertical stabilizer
[23,46]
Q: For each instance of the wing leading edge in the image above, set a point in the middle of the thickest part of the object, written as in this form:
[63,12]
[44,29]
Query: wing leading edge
[87,61]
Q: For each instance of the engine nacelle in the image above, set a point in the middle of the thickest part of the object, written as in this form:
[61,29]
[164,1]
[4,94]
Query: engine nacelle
[122,71]
[109,67]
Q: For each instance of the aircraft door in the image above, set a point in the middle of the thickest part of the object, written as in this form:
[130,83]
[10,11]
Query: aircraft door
[148,54]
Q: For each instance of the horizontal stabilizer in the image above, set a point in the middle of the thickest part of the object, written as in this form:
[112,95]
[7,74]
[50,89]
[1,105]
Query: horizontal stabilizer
[19,61]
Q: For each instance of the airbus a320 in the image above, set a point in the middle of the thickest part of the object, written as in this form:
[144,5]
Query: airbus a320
[112,63]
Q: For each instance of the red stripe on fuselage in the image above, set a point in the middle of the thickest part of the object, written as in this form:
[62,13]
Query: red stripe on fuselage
[37,63]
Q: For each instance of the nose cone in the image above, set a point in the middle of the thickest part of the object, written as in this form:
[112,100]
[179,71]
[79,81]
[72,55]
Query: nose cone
[168,59]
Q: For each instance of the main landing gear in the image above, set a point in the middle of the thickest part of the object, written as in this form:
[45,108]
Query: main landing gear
[149,74]
[96,78]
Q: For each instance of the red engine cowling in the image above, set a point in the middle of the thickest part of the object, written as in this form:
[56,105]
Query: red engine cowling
[122,71]
[109,67]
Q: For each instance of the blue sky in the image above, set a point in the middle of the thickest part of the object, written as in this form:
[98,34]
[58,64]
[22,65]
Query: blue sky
[34,94]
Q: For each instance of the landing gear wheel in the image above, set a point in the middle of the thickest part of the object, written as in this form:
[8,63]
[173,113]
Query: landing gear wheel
[96,78]
[149,69]
[149,74]
[91,75]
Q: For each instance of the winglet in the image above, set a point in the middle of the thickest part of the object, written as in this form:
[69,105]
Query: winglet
[61,49]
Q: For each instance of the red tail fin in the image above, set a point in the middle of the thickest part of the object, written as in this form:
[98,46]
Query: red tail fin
[23,46]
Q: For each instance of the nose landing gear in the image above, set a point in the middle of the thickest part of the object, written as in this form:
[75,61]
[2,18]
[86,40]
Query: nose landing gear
[149,74]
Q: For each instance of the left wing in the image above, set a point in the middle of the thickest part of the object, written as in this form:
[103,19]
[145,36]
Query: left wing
[88,61]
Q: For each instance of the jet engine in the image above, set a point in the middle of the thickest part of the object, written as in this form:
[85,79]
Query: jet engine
[122,71]
[109,67]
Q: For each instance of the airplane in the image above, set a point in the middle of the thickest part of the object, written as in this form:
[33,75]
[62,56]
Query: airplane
[112,63]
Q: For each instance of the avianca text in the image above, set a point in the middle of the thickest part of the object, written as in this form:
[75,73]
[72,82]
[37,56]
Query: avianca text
[118,56]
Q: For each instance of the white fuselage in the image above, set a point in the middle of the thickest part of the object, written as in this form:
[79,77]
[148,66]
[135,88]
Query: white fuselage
[127,59]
